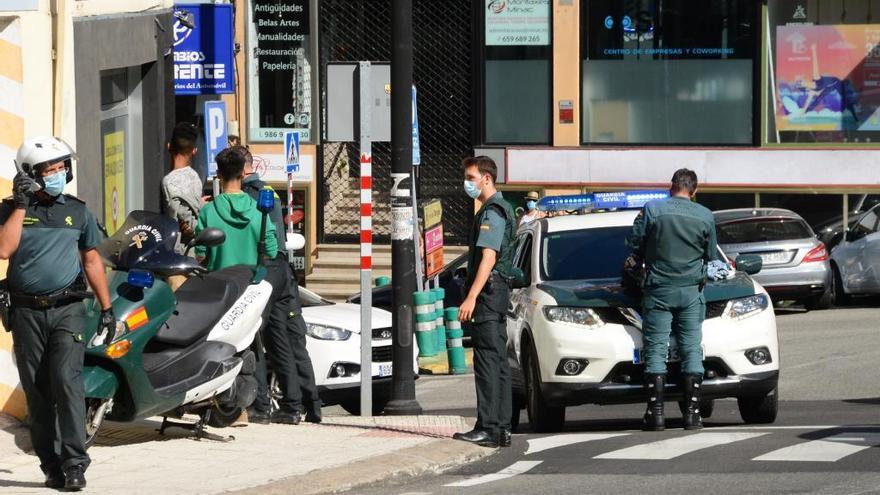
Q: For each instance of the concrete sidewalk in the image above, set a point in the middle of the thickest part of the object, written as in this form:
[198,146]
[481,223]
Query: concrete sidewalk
[341,453]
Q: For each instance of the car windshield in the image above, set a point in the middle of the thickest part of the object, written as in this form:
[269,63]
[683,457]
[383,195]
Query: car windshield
[763,230]
[309,299]
[584,254]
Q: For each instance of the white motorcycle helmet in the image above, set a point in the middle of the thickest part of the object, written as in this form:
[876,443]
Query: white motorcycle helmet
[38,152]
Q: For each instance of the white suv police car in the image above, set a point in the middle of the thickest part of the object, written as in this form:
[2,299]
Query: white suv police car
[574,333]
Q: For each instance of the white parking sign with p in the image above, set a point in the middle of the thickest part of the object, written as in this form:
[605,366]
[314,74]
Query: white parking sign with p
[215,132]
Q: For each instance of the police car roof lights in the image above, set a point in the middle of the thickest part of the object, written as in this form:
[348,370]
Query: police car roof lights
[601,201]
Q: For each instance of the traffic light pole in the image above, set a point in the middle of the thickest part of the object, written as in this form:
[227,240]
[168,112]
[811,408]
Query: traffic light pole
[403,255]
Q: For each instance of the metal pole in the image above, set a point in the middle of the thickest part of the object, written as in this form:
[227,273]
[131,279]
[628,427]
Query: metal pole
[403,256]
[366,243]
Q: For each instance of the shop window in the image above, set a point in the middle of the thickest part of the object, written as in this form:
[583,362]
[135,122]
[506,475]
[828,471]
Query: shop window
[824,71]
[669,72]
[280,75]
[516,55]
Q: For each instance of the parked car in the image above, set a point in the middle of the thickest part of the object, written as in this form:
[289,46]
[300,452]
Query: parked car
[333,338]
[451,278]
[796,263]
[855,261]
[831,231]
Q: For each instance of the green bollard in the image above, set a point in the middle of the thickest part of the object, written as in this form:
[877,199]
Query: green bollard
[440,328]
[382,281]
[454,350]
[426,322]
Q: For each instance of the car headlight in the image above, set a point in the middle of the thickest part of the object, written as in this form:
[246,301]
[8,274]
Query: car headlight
[573,316]
[324,332]
[738,309]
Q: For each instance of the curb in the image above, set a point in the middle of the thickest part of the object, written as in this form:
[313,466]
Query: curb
[433,457]
[439,365]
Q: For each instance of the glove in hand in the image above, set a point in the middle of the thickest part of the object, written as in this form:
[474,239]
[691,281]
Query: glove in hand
[107,325]
[22,188]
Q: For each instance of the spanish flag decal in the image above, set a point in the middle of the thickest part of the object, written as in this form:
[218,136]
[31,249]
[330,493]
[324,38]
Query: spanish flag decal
[137,319]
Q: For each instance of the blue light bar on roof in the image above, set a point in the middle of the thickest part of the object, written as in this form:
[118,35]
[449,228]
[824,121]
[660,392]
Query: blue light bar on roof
[600,201]
[566,203]
[627,199]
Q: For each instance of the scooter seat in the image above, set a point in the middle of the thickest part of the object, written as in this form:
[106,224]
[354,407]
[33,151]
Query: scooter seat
[201,302]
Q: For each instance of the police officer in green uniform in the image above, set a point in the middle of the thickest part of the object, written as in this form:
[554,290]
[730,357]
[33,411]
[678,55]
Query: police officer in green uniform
[676,239]
[489,269]
[50,239]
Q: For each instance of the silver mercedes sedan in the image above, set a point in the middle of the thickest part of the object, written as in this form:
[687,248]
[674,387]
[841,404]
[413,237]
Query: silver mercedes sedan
[796,263]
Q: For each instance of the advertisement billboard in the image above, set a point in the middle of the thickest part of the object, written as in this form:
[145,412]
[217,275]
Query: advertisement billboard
[828,78]
[517,22]
[203,49]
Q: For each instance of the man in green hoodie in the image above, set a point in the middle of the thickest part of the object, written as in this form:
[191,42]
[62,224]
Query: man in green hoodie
[235,213]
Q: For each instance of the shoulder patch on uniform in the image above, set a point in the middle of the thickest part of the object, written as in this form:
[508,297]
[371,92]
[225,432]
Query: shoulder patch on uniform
[485,226]
[70,196]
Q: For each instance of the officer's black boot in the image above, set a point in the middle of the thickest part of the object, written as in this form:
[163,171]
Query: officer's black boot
[654,384]
[692,394]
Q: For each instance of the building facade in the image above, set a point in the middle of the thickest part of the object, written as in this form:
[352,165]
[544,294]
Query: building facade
[97,74]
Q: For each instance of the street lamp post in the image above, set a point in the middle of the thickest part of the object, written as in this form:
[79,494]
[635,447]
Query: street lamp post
[403,255]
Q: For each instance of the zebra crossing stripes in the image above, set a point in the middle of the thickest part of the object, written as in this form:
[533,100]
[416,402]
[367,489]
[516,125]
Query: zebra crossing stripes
[514,469]
[546,443]
[829,449]
[676,447]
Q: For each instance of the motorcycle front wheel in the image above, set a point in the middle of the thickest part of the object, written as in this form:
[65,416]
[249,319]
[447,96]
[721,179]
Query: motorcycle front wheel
[94,419]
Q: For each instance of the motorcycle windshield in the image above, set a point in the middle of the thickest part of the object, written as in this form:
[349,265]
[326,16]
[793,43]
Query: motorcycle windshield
[146,242]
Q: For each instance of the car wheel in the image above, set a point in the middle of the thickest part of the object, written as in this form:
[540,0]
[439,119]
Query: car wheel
[822,301]
[759,409]
[543,418]
[840,297]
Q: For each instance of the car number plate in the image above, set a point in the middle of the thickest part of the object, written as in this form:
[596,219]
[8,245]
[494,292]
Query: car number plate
[672,355]
[385,370]
[776,257]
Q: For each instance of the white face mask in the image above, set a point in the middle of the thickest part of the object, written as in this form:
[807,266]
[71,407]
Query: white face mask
[472,189]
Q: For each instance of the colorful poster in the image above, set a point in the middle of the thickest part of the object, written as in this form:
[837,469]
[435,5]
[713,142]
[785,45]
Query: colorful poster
[828,78]
[114,180]
[517,22]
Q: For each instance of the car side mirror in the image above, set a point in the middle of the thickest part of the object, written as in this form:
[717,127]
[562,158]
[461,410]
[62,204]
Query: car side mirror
[518,279]
[209,237]
[749,263]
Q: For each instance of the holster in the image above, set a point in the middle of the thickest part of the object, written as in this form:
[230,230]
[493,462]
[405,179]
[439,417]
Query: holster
[5,305]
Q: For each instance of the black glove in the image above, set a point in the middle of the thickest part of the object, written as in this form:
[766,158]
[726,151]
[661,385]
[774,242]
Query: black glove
[22,188]
[107,324]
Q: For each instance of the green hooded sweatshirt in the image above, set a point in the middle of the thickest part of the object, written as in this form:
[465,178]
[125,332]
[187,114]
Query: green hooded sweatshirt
[235,214]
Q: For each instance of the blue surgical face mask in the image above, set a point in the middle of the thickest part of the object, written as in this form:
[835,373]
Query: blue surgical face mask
[531,205]
[472,189]
[54,184]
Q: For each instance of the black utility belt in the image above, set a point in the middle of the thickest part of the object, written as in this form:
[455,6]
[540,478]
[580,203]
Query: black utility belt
[47,301]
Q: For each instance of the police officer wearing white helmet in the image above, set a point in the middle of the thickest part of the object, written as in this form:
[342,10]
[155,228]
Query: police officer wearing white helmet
[49,239]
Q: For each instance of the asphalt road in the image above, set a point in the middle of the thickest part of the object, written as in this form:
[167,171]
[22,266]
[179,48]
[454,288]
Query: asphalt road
[826,439]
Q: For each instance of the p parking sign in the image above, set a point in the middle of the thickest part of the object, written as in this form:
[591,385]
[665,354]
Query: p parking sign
[215,132]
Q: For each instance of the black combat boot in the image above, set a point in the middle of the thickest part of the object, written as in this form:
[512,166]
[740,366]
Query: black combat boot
[692,394]
[654,384]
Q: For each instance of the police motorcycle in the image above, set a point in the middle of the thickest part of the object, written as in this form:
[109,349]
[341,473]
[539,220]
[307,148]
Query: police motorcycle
[174,352]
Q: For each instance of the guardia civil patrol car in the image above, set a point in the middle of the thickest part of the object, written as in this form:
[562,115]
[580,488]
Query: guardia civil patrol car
[575,334]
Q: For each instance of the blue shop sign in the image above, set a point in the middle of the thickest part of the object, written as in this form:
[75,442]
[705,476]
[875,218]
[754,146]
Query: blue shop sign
[203,49]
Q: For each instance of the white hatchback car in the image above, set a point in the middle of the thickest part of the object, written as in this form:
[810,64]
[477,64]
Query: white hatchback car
[333,340]
[574,333]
